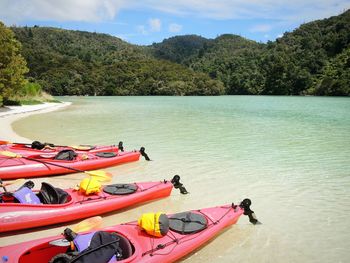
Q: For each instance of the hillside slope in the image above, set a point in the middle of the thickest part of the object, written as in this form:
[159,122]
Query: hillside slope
[313,59]
[297,63]
[67,62]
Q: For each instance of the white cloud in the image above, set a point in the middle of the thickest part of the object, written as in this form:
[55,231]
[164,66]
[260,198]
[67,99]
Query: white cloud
[175,28]
[252,9]
[12,11]
[155,24]
[261,28]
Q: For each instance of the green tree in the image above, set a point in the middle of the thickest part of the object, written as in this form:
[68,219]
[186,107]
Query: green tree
[12,64]
[335,78]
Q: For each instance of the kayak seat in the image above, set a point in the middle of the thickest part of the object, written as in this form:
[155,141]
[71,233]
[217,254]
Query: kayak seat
[25,195]
[67,155]
[126,248]
[102,246]
[120,189]
[52,195]
[187,223]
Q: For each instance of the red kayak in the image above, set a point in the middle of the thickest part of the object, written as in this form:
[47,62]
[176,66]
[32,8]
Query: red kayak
[49,164]
[27,150]
[53,205]
[187,231]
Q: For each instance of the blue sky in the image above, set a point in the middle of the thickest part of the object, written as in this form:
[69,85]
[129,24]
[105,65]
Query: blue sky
[146,21]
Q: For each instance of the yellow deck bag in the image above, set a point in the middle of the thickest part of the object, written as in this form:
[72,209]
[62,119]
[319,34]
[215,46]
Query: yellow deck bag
[90,186]
[155,224]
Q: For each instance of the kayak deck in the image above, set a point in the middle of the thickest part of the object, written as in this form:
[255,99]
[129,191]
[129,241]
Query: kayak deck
[145,248]
[26,150]
[42,165]
[14,216]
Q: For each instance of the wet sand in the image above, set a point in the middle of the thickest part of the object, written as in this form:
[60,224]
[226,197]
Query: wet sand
[11,114]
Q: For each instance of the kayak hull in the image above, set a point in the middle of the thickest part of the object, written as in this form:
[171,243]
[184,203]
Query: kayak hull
[13,168]
[26,150]
[15,216]
[169,248]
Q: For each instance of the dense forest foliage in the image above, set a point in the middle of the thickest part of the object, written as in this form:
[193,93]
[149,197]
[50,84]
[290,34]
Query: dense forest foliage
[81,63]
[12,65]
[312,60]
[180,49]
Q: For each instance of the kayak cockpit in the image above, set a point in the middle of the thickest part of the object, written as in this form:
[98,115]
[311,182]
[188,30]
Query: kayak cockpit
[47,195]
[112,247]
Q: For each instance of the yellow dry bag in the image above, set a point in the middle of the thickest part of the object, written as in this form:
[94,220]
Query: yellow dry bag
[90,186]
[155,224]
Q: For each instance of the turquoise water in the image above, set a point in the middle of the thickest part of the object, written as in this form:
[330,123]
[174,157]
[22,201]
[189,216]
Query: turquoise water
[290,155]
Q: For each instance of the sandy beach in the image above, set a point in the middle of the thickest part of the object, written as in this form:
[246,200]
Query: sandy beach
[13,113]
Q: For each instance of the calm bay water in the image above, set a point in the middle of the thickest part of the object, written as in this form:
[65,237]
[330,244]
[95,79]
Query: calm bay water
[290,155]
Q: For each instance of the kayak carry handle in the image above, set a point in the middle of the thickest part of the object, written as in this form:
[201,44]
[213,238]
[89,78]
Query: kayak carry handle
[245,205]
[142,152]
[177,185]
[120,146]
[69,234]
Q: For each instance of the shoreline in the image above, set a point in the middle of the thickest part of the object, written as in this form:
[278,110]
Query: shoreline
[14,113]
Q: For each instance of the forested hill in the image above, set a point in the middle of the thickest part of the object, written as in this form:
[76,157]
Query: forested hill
[233,60]
[313,59]
[69,62]
[180,49]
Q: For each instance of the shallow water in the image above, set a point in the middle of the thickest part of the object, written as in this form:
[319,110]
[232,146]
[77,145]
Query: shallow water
[290,155]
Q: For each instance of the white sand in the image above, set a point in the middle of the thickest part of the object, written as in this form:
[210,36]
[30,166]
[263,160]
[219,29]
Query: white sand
[17,112]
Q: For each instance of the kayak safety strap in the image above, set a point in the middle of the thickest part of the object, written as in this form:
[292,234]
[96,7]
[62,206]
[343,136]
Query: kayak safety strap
[177,185]
[142,152]
[245,204]
[196,218]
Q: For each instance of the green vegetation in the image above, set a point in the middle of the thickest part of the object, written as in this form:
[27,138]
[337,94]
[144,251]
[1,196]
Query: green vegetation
[312,60]
[335,77]
[30,94]
[80,63]
[15,89]
[12,65]
[179,49]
